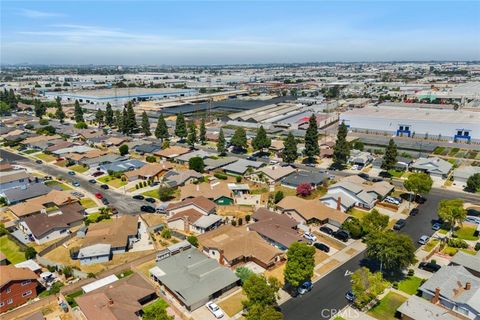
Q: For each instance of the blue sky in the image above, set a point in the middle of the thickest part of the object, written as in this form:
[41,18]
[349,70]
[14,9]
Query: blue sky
[218,32]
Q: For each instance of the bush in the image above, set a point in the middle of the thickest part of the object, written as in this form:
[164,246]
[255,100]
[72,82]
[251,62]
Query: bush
[458,243]
[238,179]
[165,193]
[43,122]
[240,221]
[247,218]
[166,233]
[151,159]
[196,163]
[220,176]
[234,223]
[193,240]
[304,189]
[477,246]
[278,197]
[354,227]
[30,253]
[411,272]
[123,149]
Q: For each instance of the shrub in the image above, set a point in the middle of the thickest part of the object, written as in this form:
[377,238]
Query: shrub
[151,159]
[247,218]
[411,272]
[477,246]
[43,122]
[197,164]
[30,253]
[220,176]
[238,179]
[240,221]
[354,227]
[165,193]
[234,223]
[123,149]
[166,233]
[193,240]
[278,197]
[304,189]
[457,243]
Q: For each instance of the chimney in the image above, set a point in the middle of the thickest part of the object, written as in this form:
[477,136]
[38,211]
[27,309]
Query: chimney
[468,286]
[339,203]
[436,297]
[110,302]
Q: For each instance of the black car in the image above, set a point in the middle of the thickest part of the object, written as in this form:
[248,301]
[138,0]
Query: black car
[38,161]
[364,176]
[326,230]
[429,266]
[138,197]
[321,246]
[104,186]
[419,199]
[377,180]
[92,181]
[399,224]
[341,235]
[105,201]
[252,158]
[150,200]
[148,209]
[414,211]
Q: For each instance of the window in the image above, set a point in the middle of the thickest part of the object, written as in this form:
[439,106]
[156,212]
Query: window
[27,293]
[401,128]
[9,290]
[407,128]
[9,301]
[459,133]
[466,133]
[24,283]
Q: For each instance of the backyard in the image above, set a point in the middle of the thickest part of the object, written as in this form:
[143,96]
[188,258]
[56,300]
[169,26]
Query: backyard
[11,250]
[387,307]
[466,233]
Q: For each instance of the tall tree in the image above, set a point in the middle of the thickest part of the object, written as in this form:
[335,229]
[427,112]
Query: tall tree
[260,291]
[180,127]
[221,143]
[395,251]
[39,108]
[145,125]
[203,132]
[473,183]
[374,221]
[161,132]
[131,121]
[257,312]
[192,134]
[300,263]
[239,139]
[311,139]
[59,114]
[125,121]
[78,112]
[418,183]
[261,140]
[99,115]
[452,212]
[118,120]
[390,158]
[109,115]
[341,150]
[290,153]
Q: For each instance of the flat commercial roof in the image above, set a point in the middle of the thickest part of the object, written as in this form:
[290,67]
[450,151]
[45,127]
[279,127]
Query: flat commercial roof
[121,93]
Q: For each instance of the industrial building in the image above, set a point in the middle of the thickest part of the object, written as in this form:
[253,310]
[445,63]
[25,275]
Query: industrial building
[452,125]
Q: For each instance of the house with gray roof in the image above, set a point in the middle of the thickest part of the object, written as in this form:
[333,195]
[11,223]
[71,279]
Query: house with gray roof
[360,158]
[461,175]
[174,178]
[434,166]
[192,278]
[293,180]
[402,164]
[469,261]
[241,166]
[184,158]
[97,253]
[121,166]
[105,159]
[455,288]
[213,164]
[31,191]
[147,148]
[417,308]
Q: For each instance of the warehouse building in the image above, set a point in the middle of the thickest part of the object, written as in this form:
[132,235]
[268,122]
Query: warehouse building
[462,126]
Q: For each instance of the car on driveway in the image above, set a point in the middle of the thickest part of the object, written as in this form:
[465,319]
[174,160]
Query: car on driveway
[392,200]
[423,239]
[350,296]
[72,173]
[341,235]
[436,226]
[77,194]
[399,224]
[150,200]
[414,212]
[305,287]
[472,219]
[138,197]
[215,310]
[310,237]
[97,174]
[104,186]
[148,209]
[321,247]
[364,176]
[429,266]
[98,195]
[326,230]
[92,181]
[38,161]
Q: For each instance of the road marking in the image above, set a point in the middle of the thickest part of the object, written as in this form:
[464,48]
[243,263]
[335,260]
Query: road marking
[348,273]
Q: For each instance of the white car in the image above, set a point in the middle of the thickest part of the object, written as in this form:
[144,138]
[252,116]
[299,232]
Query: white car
[310,237]
[392,200]
[423,239]
[215,309]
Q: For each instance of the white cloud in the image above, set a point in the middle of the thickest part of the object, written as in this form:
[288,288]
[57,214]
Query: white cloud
[39,14]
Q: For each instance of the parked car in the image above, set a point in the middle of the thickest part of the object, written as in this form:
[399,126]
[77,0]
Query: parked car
[252,158]
[150,200]
[310,237]
[305,287]
[326,230]
[148,209]
[414,211]
[419,199]
[77,194]
[215,310]
[392,200]
[138,197]
[113,210]
[97,174]
[47,178]
[92,181]
[341,235]
[364,176]
[321,247]
[72,173]
[423,239]
[312,165]
[377,180]
[350,296]
[436,226]
[38,161]
[76,183]
[471,219]
[399,224]
[105,201]
[473,212]
[104,186]
[98,195]
[429,266]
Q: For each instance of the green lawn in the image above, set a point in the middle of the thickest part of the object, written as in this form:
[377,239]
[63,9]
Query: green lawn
[430,245]
[450,251]
[57,183]
[472,252]
[112,181]
[71,298]
[466,233]
[152,194]
[88,203]
[30,151]
[386,309]
[159,303]
[396,173]
[94,218]
[45,157]
[357,213]
[124,274]
[78,168]
[11,250]
[410,285]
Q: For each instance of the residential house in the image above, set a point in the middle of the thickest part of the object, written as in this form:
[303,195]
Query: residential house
[51,203]
[276,146]
[41,142]
[122,166]
[30,264]
[434,166]
[14,179]
[192,278]
[241,166]
[233,246]
[455,288]
[149,148]
[469,261]
[360,158]
[79,149]
[150,171]
[105,158]
[44,227]
[402,164]
[279,230]
[17,286]
[461,175]
[121,300]
[193,215]
[201,204]
[31,191]
[314,178]
[115,141]
[216,163]
[416,308]
[171,152]
[184,158]
[218,192]
[95,253]
[311,211]
[271,174]
[176,178]
[59,145]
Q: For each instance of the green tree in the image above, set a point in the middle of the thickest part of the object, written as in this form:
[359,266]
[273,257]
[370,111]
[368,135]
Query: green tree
[5,109]
[197,164]
[221,143]
[81,125]
[390,157]
[59,114]
[145,125]
[125,128]
[311,139]
[261,140]
[374,221]
[300,263]
[354,227]
[203,132]
[341,150]
[156,311]
[109,115]
[244,273]
[452,212]
[193,240]
[278,197]
[395,251]
[30,253]
[239,139]
[99,115]
[260,291]
[192,134]
[367,286]
[123,149]
[131,126]
[180,127]
[418,183]
[118,120]
[165,193]
[473,183]
[290,154]
[166,233]
[258,312]
[39,108]
[78,112]
[161,131]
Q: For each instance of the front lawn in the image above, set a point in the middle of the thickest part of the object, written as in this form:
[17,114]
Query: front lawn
[78,168]
[88,203]
[11,250]
[430,245]
[386,309]
[395,173]
[410,285]
[466,233]
[45,157]
[233,304]
[30,151]
[63,186]
[151,193]
[112,181]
